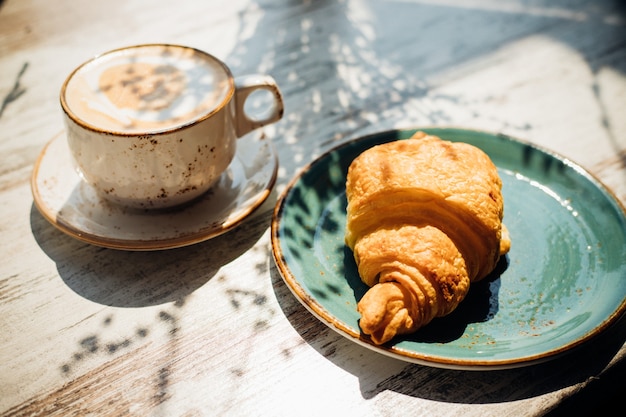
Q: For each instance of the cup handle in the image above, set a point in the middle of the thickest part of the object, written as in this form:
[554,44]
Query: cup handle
[246,85]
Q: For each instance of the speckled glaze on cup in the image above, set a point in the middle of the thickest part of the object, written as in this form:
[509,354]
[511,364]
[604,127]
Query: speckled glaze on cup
[154,126]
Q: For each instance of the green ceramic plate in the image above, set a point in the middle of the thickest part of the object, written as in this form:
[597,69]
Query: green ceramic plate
[562,283]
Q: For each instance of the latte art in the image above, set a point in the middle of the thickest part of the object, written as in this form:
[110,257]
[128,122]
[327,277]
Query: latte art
[147,89]
[142,86]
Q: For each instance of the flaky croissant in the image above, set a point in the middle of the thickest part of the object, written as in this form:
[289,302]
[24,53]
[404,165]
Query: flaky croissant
[424,220]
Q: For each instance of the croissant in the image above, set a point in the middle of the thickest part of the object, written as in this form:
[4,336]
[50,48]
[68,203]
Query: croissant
[424,220]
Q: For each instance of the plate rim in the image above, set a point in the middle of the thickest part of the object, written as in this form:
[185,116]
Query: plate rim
[318,310]
[52,215]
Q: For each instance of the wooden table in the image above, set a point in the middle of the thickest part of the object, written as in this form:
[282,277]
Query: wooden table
[211,329]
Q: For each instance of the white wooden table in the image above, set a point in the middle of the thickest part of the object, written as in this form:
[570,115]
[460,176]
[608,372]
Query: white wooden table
[211,329]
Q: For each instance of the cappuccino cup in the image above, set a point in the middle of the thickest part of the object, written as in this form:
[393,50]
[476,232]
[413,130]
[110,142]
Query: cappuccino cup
[155,126]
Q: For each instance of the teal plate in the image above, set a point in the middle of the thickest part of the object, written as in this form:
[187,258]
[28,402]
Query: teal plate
[562,283]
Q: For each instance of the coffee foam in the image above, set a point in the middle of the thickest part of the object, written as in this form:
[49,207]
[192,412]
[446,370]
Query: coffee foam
[146,89]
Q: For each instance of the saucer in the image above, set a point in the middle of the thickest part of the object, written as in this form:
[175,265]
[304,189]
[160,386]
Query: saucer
[76,209]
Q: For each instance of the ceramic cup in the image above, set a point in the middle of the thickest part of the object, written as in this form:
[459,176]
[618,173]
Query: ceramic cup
[154,126]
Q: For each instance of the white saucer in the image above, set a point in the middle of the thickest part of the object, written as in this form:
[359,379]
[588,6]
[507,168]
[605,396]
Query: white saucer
[74,207]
